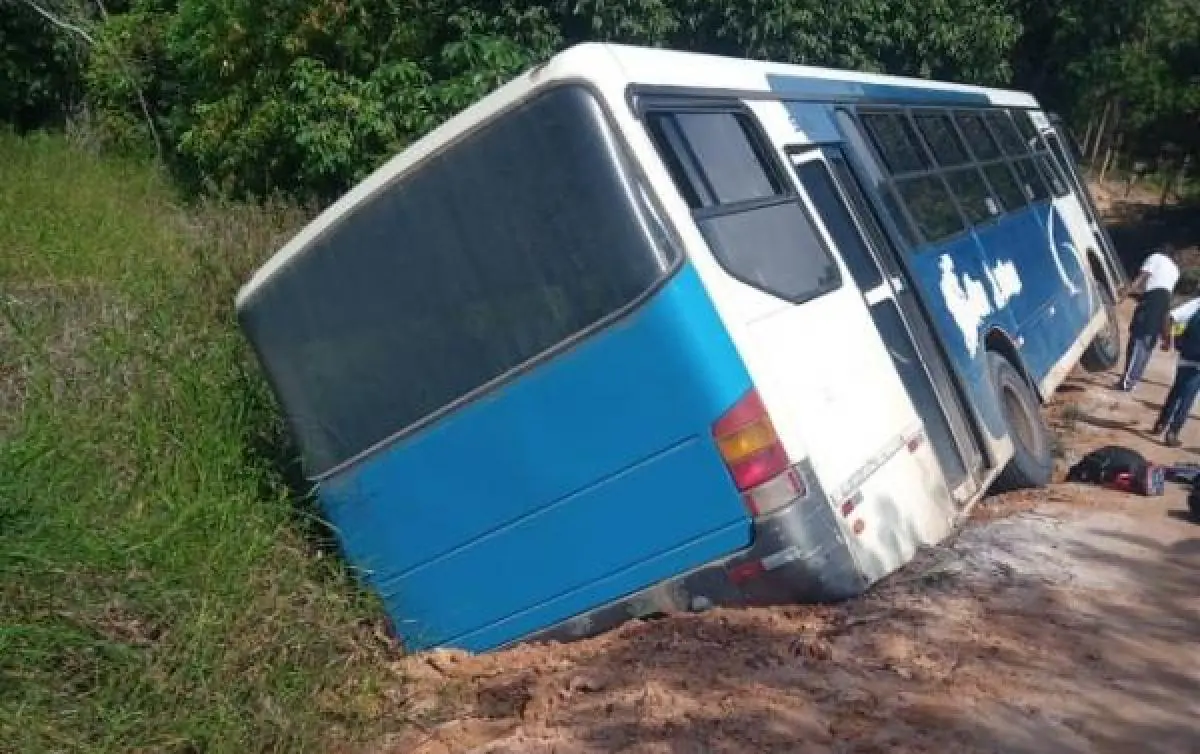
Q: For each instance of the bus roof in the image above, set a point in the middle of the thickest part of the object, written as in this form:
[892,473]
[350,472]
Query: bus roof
[613,68]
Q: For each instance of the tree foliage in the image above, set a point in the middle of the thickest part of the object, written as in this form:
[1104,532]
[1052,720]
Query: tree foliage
[1128,68]
[307,96]
[40,67]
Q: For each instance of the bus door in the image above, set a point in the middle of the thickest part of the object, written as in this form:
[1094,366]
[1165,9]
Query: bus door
[1057,141]
[838,199]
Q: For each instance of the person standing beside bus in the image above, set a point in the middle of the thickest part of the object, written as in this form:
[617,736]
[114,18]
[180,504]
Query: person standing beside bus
[1155,283]
[1184,320]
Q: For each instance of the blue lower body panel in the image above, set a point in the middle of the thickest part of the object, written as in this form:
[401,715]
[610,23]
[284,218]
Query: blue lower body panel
[1019,277]
[564,544]
[584,478]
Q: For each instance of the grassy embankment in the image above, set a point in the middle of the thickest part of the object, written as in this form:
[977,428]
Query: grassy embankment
[157,590]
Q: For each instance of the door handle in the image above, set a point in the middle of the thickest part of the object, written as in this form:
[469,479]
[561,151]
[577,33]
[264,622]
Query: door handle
[879,293]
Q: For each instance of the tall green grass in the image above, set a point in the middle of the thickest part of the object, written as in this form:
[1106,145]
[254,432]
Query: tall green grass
[156,590]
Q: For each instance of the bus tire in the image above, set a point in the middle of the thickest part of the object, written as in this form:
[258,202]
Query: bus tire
[1104,352]
[1032,463]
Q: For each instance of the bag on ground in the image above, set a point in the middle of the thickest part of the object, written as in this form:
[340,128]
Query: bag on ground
[1122,469]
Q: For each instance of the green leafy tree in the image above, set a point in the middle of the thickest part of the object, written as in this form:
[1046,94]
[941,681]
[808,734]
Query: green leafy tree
[40,67]
[306,97]
[1125,73]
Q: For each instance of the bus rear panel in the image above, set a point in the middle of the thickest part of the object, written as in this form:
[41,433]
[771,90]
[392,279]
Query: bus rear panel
[506,381]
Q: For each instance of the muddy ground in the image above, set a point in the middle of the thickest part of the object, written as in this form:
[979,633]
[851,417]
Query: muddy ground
[1066,620]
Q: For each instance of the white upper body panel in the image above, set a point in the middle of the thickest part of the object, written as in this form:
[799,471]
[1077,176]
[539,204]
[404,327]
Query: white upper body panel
[611,69]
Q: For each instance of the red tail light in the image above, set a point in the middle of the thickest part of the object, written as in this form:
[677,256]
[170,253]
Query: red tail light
[748,443]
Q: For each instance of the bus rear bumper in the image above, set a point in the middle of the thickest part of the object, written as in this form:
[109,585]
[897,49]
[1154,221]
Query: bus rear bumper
[799,555]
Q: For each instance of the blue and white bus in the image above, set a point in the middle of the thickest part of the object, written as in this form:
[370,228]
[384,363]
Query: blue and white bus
[646,331]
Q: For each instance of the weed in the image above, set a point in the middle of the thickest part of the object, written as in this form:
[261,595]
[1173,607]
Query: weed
[156,593]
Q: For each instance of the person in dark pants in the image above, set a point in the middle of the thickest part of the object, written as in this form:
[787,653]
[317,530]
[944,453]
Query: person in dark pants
[1154,283]
[1185,388]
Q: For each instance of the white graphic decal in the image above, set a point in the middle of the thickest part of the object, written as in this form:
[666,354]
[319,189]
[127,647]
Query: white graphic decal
[967,298]
[1055,253]
[1006,283]
[967,301]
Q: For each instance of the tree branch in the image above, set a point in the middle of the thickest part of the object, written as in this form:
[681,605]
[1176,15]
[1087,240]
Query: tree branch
[82,33]
[59,22]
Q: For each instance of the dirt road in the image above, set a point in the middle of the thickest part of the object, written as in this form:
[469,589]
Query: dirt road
[1066,620]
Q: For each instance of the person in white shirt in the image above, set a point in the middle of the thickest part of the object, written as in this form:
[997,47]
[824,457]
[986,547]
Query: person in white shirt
[1154,284]
[1184,324]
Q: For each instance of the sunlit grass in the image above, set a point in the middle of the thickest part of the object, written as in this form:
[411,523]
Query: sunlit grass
[156,590]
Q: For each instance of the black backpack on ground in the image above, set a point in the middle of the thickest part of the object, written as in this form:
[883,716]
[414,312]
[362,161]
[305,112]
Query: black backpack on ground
[1120,468]
[1103,464]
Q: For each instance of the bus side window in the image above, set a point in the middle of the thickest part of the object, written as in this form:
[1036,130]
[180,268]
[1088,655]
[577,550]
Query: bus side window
[856,137]
[973,194]
[964,179]
[942,139]
[896,142]
[1007,133]
[712,157]
[1053,176]
[1005,186]
[921,188]
[1025,125]
[1034,142]
[931,206]
[1035,184]
[754,224]
[978,138]
[831,208]
[684,172]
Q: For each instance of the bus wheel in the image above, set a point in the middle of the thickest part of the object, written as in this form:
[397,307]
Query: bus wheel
[1032,462]
[1104,352]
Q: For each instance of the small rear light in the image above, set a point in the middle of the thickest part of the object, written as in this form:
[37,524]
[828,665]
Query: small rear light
[759,469]
[747,441]
[748,444]
[776,493]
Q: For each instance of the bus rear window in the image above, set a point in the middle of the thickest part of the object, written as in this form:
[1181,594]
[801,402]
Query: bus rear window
[514,240]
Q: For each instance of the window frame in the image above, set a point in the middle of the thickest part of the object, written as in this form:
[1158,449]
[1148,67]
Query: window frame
[980,114]
[936,171]
[823,164]
[893,212]
[1001,162]
[919,113]
[971,163]
[647,205]
[1010,161]
[989,118]
[1037,154]
[1008,169]
[964,224]
[769,159]
[912,133]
